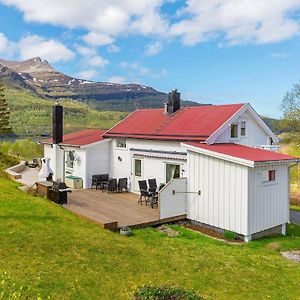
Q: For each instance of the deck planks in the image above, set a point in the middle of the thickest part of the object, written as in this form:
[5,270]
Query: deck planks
[107,208]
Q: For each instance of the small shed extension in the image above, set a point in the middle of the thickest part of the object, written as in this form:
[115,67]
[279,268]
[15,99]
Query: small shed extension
[90,155]
[242,189]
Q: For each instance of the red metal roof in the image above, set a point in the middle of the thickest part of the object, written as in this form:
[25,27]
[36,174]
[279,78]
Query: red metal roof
[189,123]
[80,138]
[244,152]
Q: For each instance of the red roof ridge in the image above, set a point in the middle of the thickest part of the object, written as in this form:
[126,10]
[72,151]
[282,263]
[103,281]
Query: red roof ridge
[171,118]
[80,138]
[197,121]
[244,152]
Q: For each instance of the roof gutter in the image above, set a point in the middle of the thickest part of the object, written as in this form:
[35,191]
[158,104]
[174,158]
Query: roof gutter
[270,162]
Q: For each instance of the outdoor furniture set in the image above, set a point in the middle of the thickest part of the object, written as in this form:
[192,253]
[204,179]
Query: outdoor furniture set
[104,183]
[148,192]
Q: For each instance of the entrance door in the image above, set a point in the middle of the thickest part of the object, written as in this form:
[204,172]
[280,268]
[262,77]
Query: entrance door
[69,158]
[137,172]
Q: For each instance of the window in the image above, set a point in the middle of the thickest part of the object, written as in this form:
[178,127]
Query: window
[121,143]
[234,130]
[172,171]
[243,128]
[70,159]
[271,176]
[138,167]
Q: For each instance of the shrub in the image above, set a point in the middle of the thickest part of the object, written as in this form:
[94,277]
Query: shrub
[165,293]
[229,235]
[6,161]
[22,149]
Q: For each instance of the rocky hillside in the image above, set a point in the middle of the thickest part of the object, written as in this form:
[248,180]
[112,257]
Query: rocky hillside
[41,78]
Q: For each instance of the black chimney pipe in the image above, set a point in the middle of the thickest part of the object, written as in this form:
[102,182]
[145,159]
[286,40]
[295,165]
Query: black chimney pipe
[173,101]
[57,130]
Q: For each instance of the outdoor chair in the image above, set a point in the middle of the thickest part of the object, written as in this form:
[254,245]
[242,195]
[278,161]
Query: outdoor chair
[144,193]
[99,180]
[95,181]
[122,185]
[154,200]
[33,163]
[111,185]
[152,185]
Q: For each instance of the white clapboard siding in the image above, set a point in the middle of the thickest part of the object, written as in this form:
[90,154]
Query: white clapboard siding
[79,168]
[170,204]
[268,201]
[255,135]
[98,160]
[122,160]
[224,192]
[56,155]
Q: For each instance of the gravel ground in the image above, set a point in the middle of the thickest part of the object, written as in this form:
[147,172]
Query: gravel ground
[292,255]
[295,216]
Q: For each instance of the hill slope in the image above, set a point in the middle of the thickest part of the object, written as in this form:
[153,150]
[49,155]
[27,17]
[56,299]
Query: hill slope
[49,253]
[32,116]
[42,79]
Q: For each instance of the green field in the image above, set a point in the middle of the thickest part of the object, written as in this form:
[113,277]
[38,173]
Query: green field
[48,253]
[32,116]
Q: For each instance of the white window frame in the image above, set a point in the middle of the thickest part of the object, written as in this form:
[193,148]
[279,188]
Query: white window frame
[240,129]
[68,168]
[266,179]
[134,170]
[173,163]
[237,125]
[118,145]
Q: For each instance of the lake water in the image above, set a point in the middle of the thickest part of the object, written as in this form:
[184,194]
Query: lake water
[16,138]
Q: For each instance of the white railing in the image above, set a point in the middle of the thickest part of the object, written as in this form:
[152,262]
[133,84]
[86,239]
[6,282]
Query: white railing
[172,198]
[274,148]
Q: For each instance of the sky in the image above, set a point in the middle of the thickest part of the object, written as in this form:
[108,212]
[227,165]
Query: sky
[212,51]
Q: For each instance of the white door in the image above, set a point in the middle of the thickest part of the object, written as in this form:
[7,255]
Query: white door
[137,173]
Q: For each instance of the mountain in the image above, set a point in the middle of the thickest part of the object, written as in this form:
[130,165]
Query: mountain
[41,78]
[31,116]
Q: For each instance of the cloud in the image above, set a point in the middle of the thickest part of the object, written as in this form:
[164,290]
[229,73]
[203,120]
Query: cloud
[113,49]
[229,22]
[52,50]
[112,18]
[279,55]
[90,63]
[91,57]
[97,39]
[237,21]
[117,79]
[97,61]
[34,45]
[85,51]
[7,47]
[135,69]
[88,74]
[153,48]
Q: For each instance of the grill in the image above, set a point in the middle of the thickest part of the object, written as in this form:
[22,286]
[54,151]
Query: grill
[59,192]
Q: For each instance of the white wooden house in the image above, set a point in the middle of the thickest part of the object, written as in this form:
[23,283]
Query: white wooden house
[215,161]
[80,154]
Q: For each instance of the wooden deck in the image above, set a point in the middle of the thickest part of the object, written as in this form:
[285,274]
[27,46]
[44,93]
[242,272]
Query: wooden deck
[112,210]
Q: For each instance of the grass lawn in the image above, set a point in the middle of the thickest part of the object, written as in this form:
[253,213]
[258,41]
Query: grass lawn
[295,207]
[49,253]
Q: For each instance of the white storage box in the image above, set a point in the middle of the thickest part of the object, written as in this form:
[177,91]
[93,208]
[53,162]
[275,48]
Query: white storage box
[74,182]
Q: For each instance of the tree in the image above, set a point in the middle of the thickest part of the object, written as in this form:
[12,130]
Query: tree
[291,109]
[4,114]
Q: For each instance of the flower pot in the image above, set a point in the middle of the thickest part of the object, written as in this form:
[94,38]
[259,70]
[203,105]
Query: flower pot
[126,231]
